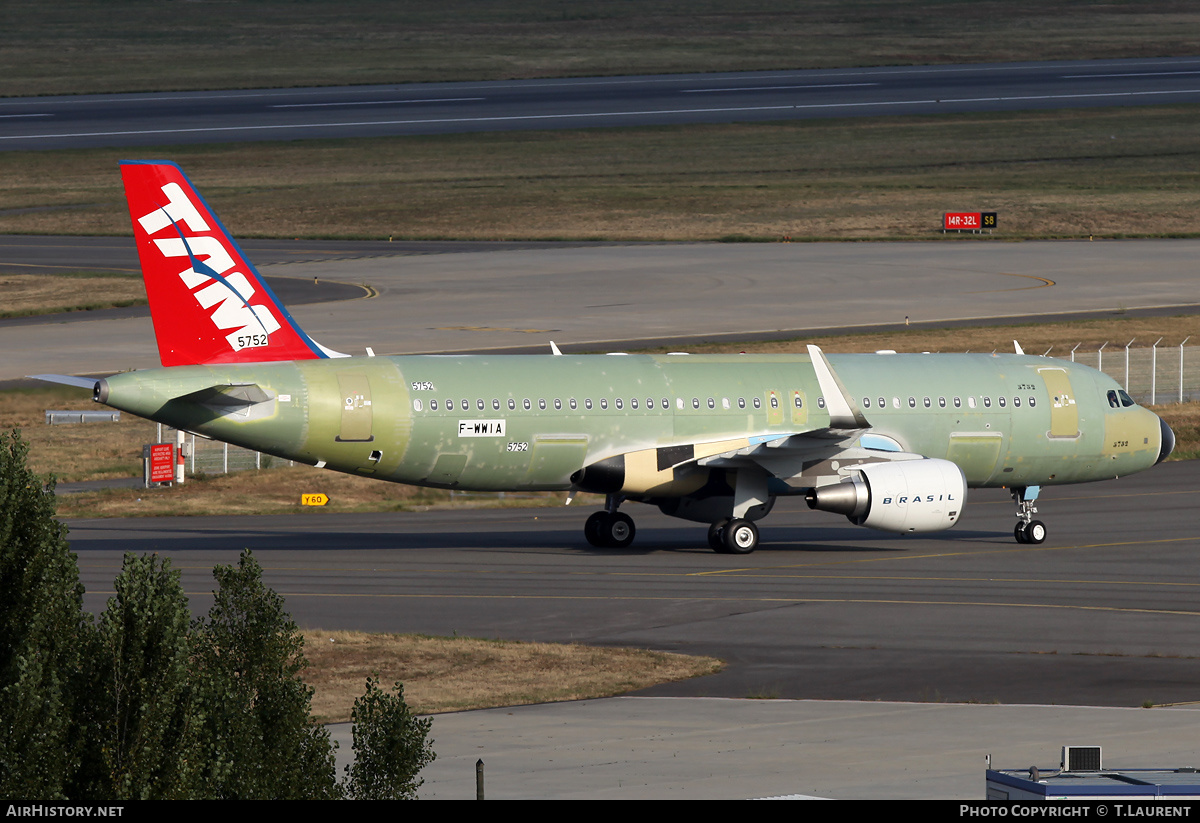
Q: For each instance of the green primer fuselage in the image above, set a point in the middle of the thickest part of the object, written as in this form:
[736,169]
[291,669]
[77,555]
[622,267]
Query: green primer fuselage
[526,422]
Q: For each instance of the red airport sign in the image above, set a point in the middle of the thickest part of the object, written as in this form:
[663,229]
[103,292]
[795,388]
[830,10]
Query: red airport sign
[162,463]
[968,220]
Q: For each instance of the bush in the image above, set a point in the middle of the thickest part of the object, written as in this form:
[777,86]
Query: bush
[390,747]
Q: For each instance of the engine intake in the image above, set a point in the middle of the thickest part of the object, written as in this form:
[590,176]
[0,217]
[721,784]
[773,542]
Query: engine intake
[923,495]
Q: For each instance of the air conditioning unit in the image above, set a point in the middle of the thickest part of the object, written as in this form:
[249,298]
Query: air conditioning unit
[1081,759]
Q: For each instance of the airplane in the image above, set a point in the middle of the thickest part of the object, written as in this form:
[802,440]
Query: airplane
[891,441]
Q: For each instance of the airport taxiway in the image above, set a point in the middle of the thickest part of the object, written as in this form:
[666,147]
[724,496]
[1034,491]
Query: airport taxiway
[596,297]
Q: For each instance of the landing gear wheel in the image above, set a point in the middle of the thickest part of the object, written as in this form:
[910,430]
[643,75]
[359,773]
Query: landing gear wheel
[619,530]
[1035,532]
[1019,533]
[593,529]
[740,537]
[716,539]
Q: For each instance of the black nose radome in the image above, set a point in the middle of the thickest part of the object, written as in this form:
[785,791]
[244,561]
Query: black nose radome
[1168,441]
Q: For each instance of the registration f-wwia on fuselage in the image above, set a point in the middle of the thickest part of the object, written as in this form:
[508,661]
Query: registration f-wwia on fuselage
[892,441]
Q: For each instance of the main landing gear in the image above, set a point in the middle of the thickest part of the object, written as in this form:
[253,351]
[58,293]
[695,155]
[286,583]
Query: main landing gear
[736,536]
[1028,530]
[609,529]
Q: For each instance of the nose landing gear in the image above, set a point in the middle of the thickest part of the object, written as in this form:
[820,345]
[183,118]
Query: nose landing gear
[1027,530]
[610,529]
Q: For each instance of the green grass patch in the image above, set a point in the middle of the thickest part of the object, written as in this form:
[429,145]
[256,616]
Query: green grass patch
[83,46]
[1120,172]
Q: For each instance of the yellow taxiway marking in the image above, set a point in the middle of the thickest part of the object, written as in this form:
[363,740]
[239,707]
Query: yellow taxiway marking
[1043,283]
[493,328]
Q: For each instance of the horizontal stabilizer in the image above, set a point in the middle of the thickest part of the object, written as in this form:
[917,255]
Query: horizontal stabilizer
[88,383]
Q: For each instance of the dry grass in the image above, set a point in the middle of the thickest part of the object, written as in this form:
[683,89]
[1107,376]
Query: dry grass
[29,294]
[87,451]
[75,46]
[1074,173]
[442,674]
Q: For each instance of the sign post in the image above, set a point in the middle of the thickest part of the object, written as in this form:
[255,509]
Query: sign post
[158,460]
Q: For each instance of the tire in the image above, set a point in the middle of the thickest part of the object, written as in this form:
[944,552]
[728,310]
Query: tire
[1035,532]
[740,537]
[716,539]
[594,529]
[1019,533]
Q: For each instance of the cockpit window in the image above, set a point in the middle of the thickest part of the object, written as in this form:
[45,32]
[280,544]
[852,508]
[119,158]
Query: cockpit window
[1126,400]
[1112,399]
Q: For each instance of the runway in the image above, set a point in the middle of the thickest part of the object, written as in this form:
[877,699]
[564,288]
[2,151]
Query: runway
[41,123]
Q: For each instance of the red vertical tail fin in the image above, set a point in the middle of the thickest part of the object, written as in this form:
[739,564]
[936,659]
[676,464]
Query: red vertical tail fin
[208,302]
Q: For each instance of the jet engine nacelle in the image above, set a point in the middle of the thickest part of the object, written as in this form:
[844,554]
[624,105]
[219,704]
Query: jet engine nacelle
[923,495]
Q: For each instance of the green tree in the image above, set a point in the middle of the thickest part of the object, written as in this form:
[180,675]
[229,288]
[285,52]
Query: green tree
[259,739]
[142,715]
[41,626]
[390,746]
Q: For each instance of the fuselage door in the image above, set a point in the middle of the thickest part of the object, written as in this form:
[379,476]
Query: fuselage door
[1064,414]
[356,408]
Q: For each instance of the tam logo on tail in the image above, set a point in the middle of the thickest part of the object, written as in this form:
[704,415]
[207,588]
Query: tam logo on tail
[208,302]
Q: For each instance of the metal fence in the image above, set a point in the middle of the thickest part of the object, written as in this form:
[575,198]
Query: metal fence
[213,457]
[1151,374]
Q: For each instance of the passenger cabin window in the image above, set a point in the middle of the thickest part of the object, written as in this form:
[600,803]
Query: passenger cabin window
[695,402]
[649,402]
[604,402]
[542,403]
[633,402]
[866,402]
[895,402]
[495,404]
[557,404]
[479,404]
[942,402]
[820,402]
[527,404]
[741,402]
[587,403]
[417,404]
[1000,400]
[958,403]
[574,405]
[881,403]
[712,404]
[512,404]
[987,402]
[774,402]
[619,403]
[433,405]
[449,405]
[928,403]
[1017,402]
[757,403]
[1032,402]
[912,402]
